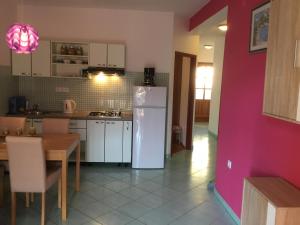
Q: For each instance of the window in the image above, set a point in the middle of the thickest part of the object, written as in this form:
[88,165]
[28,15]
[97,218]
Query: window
[204,79]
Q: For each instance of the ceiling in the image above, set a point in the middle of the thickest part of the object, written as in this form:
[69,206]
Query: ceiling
[185,8]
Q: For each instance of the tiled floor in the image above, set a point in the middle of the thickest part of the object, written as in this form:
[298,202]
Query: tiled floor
[112,195]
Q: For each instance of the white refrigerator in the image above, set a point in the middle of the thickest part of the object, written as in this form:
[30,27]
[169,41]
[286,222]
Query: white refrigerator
[149,124]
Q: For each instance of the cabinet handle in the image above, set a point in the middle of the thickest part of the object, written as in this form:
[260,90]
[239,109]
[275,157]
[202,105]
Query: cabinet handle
[103,65]
[112,122]
[107,122]
[115,65]
[23,73]
[34,74]
[297,55]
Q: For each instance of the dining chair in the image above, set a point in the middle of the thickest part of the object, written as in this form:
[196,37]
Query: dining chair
[1,185]
[12,123]
[55,126]
[28,171]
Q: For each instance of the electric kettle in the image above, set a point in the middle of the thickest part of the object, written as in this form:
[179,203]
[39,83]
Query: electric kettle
[69,106]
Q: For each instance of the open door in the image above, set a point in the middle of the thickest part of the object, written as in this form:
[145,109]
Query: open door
[183,101]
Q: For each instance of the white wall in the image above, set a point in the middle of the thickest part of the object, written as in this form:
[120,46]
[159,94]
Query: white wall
[206,55]
[184,98]
[187,42]
[219,44]
[184,41]
[148,35]
[8,16]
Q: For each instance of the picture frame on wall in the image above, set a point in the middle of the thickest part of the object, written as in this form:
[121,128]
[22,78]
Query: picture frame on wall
[260,27]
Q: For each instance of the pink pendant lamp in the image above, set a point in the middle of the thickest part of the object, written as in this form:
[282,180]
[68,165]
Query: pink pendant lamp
[22,38]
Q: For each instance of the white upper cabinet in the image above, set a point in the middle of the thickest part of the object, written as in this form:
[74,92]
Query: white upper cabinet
[116,56]
[21,64]
[41,60]
[98,55]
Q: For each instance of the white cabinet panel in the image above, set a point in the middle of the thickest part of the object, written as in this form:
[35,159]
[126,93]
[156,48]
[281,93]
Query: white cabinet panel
[28,124]
[41,60]
[95,141]
[37,123]
[271,214]
[98,55]
[81,132]
[116,56]
[75,124]
[113,141]
[21,64]
[127,141]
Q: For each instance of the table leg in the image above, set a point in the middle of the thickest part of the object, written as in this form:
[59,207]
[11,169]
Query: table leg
[64,183]
[77,176]
[1,185]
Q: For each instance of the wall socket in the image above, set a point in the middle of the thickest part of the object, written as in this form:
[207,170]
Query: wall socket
[229,164]
[62,89]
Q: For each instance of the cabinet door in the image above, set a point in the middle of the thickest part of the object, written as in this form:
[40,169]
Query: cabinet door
[113,141]
[81,132]
[282,78]
[41,60]
[37,123]
[28,124]
[95,141]
[21,64]
[127,141]
[255,207]
[98,55]
[116,56]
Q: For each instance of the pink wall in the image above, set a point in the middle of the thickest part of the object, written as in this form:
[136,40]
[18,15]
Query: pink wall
[256,144]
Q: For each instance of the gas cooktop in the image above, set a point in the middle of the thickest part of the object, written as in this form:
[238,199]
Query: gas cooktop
[106,114]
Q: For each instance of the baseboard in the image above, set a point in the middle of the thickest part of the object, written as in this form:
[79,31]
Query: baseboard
[229,210]
[213,134]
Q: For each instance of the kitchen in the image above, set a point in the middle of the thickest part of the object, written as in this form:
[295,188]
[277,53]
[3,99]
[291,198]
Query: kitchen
[47,88]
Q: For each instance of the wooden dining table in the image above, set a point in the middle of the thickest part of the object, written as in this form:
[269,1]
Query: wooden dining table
[58,147]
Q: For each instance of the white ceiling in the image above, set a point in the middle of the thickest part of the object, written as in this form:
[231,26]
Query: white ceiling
[180,7]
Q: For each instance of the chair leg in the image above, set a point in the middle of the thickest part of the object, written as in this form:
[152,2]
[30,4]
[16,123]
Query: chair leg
[27,200]
[13,208]
[31,197]
[59,192]
[1,185]
[43,210]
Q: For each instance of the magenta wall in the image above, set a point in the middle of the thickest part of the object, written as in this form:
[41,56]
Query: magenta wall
[256,144]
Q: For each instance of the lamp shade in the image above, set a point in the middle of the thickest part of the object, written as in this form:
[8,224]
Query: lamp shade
[22,38]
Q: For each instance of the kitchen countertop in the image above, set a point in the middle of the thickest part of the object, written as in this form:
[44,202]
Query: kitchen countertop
[125,116]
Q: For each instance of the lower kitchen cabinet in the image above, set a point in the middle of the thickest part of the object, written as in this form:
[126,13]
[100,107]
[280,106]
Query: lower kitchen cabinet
[127,141]
[79,127]
[37,123]
[95,140]
[113,141]
[270,201]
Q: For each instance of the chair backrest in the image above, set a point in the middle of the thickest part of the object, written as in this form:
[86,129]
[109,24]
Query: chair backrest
[12,123]
[27,164]
[55,126]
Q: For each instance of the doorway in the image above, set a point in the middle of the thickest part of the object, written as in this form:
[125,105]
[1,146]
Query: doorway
[183,101]
[204,80]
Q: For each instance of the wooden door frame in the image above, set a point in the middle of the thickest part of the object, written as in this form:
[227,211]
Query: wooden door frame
[191,95]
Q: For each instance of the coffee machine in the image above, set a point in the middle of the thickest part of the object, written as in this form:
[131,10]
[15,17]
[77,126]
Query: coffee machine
[149,76]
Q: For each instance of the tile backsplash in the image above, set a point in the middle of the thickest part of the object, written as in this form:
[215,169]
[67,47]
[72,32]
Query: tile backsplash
[110,93]
[8,87]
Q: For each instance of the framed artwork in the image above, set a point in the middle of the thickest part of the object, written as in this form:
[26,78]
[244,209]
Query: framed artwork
[260,27]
